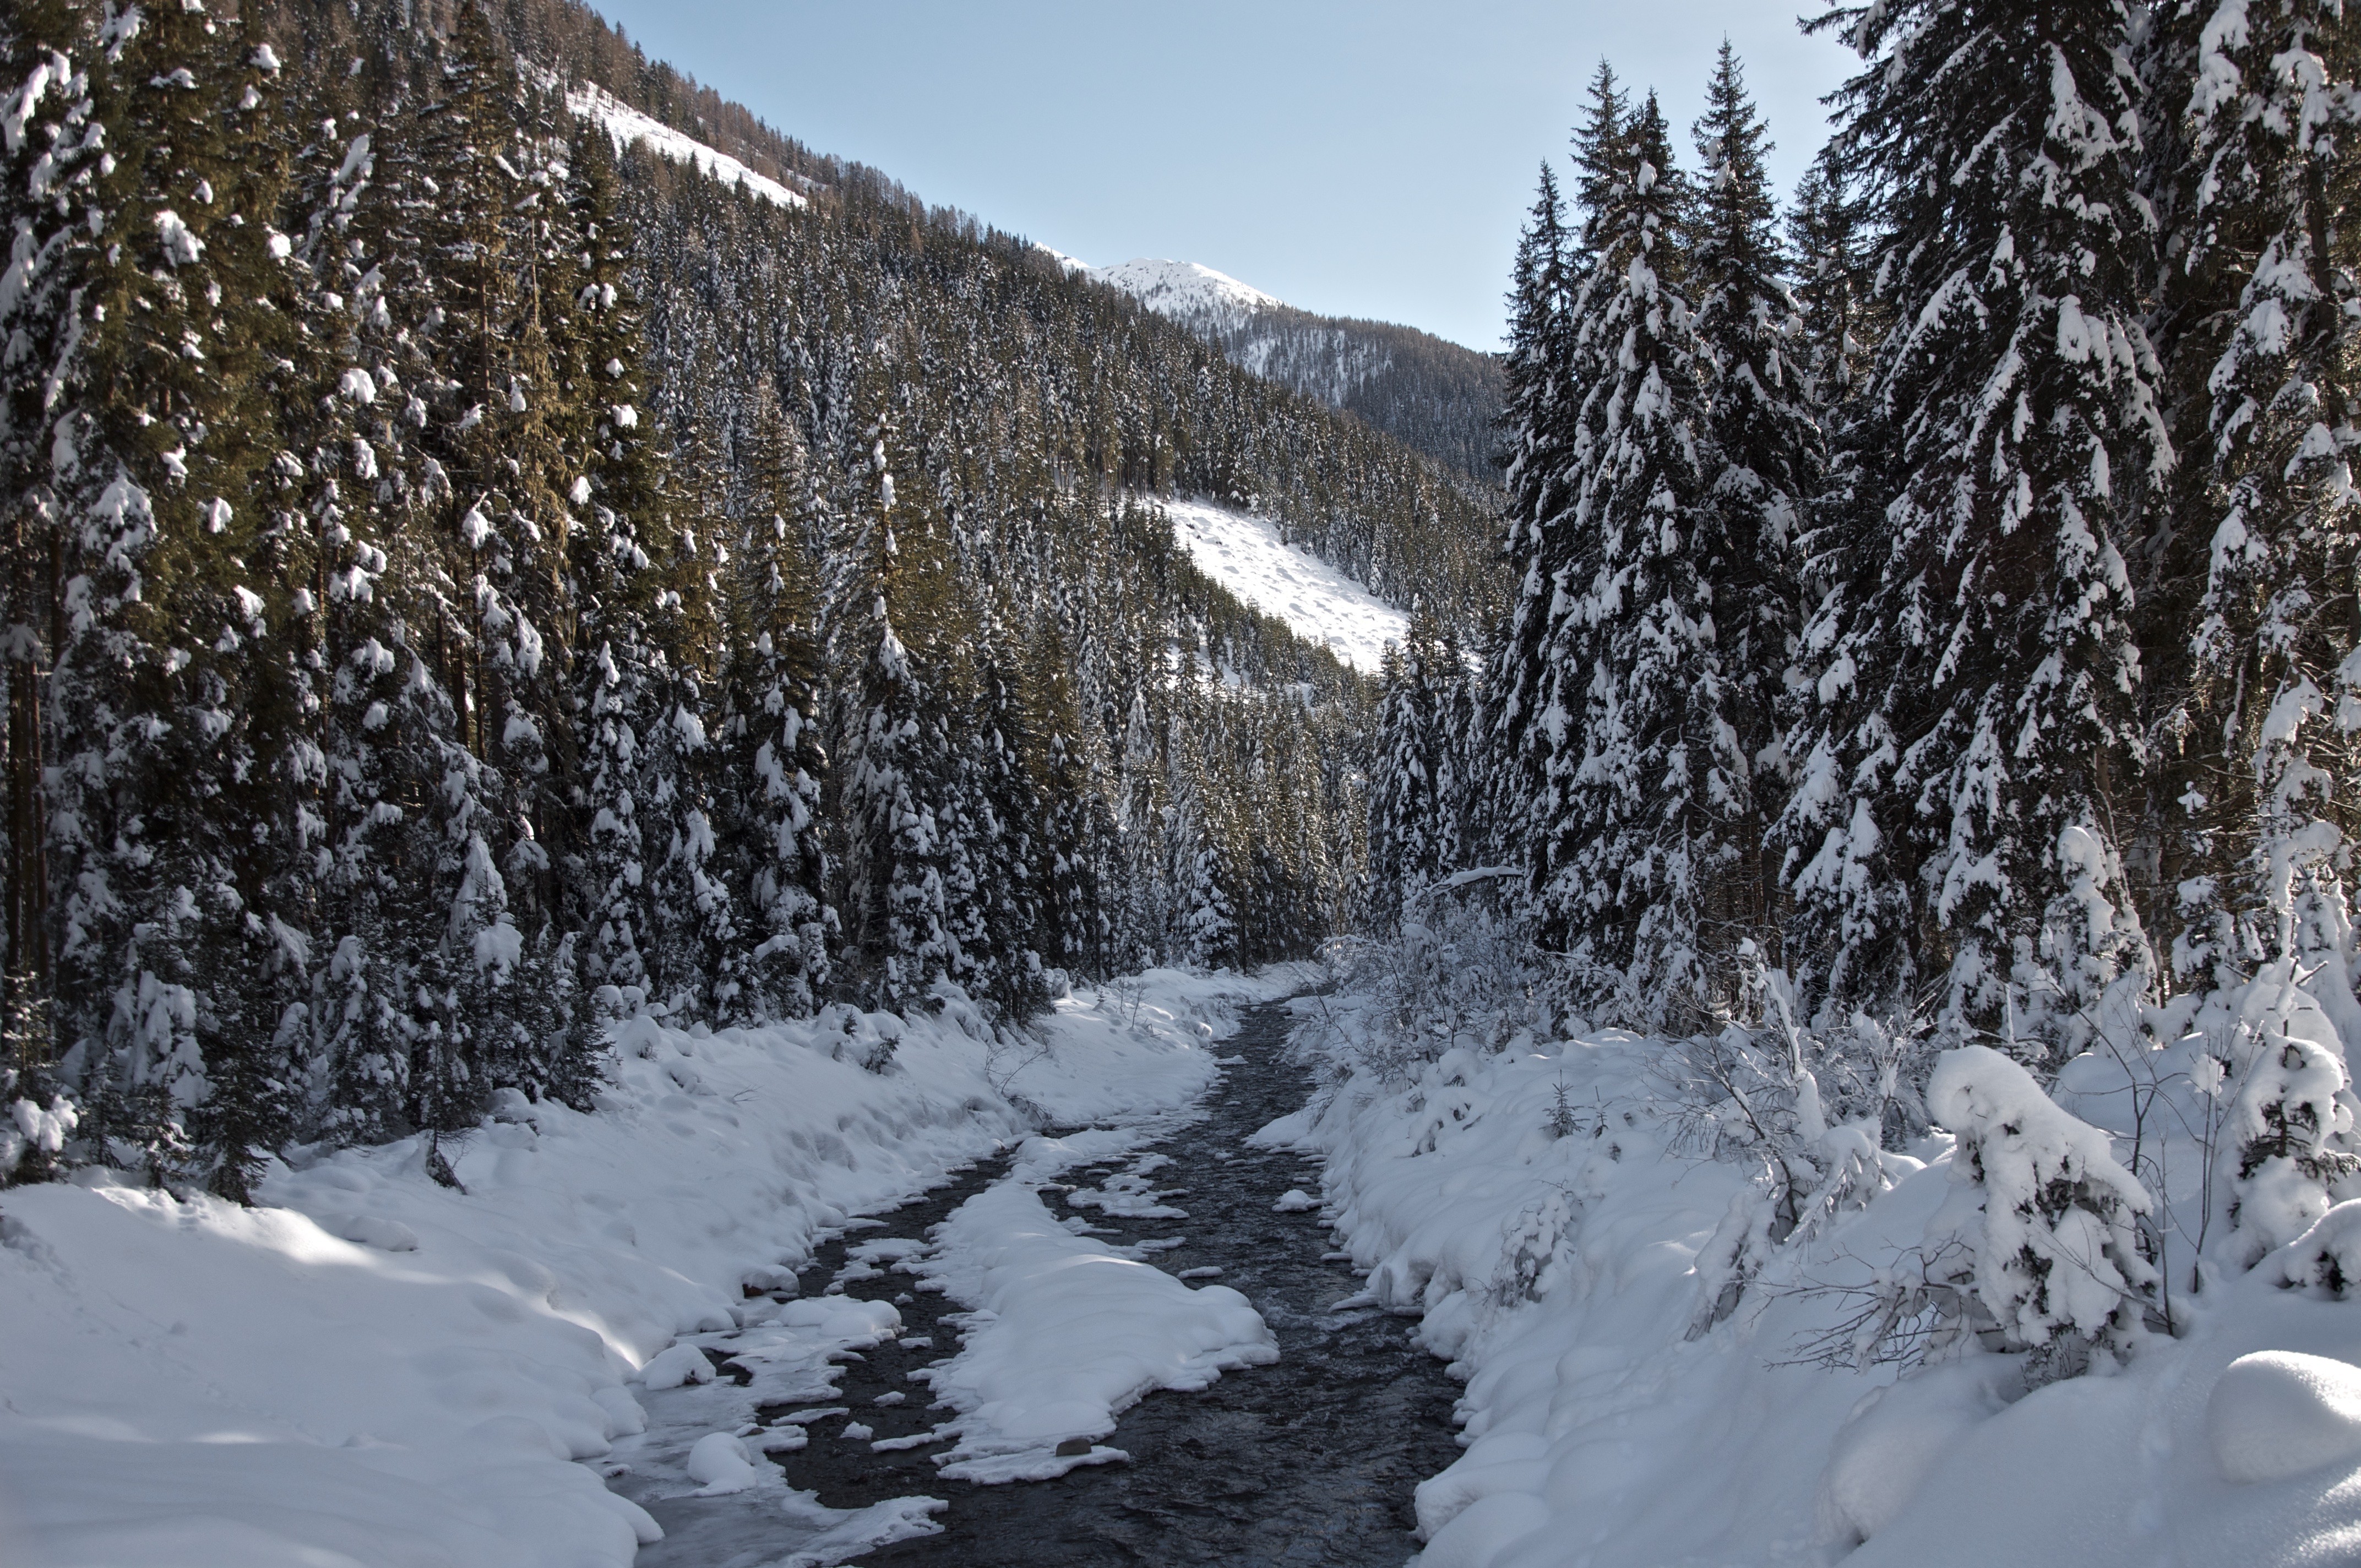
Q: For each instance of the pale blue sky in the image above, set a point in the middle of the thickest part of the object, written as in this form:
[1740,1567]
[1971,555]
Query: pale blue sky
[1369,158]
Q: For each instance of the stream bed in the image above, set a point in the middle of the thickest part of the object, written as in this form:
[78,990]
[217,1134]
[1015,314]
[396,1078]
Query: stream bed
[1307,1462]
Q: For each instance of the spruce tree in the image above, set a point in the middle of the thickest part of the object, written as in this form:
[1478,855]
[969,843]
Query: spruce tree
[2258,750]
[770,734]
[1765,461]
[1416,789]
[1975,671]
[1647,788]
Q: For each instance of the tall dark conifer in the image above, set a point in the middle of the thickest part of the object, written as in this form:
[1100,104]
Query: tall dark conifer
[1975,671]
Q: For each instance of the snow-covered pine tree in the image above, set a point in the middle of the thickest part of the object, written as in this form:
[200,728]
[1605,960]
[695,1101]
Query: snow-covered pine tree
[1003,826]
[1416,784]
[1766,460]
[1203,928]
[166,828]
[1647,795]
[772,762]
[892,750]
[1084,890]
[1537,434]
[1835,288]
[2260,742]
[1974,669]
[49,153]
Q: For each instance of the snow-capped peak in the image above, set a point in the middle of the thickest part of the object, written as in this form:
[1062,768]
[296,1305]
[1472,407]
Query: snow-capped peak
[1183,289]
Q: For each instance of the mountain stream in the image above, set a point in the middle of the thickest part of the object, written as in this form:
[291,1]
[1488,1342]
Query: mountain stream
[1308,1462]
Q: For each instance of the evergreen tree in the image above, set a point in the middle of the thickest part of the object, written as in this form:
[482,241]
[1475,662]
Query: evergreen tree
[1767,461]
[1647,790]
[2257,760]
[1975,669]
[1538,423]
[1416,789]
[771,730]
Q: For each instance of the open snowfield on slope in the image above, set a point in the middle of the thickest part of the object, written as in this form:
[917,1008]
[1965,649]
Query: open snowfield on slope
[628,125]
[1182,289]
[1246,555]
[367,1370]
[1562,1250]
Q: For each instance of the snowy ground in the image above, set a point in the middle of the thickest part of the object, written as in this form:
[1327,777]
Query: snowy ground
[1541,1210]
[368,1368]
[1246,555]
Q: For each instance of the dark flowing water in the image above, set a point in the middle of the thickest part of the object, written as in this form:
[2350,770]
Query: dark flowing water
[1308,1462]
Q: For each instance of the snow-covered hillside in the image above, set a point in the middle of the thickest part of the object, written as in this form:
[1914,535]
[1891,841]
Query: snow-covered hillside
[1246,555]
[1183,289]
[628,125]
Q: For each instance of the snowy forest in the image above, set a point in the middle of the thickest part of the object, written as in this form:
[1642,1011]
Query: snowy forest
[1934,605]
[463,590]
[669,903]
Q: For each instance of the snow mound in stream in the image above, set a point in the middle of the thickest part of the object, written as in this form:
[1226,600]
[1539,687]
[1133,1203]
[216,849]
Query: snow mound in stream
[1065,1335]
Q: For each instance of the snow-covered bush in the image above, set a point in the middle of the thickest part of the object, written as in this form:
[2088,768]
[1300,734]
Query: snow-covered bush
[2270,1059]
[2326,1259]
[2058,1258]
[1459,973]
[1813,1106]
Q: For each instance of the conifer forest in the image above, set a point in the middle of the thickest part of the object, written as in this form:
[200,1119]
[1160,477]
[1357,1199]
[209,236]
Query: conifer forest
[644,776]
[462,588]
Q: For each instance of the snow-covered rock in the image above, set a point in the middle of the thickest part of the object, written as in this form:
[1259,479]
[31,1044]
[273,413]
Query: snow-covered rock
[2279,1412]
[720,1460]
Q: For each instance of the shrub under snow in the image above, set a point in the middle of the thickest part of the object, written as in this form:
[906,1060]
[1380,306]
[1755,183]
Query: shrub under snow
[2059,1262]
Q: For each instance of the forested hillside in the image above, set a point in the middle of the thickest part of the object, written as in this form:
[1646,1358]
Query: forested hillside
[1432,396]
[463,588]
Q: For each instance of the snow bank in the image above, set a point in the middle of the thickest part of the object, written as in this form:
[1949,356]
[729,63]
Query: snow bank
[368,1368]
[627,125]
[1246,555]
[1547,1211]
[1064,1334]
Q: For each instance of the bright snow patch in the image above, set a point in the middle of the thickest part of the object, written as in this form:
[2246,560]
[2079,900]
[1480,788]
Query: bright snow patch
[627,125]
[1246,555]
[1183,289]
[1066,264]
[2278,1413]
[1067,1334]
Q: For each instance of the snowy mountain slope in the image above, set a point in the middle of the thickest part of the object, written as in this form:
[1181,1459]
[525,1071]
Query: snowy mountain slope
[628,125]
[1247,555]
[1429,394]
[1185,291]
